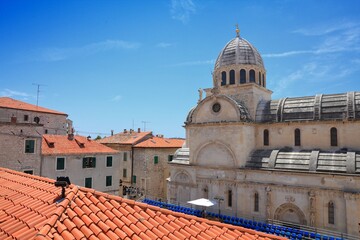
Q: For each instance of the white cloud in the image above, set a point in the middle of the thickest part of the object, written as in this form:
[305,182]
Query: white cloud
[325,30]
[164,45]
[182,9]
[286,54]
[11,93]
[58,54]
[335,39]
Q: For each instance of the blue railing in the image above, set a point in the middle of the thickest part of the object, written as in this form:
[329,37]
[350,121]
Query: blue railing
[289,232]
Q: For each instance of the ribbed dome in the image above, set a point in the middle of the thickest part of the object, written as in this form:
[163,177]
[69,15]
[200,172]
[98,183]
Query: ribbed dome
[239,51]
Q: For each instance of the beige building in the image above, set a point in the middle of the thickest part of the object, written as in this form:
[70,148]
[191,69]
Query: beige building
[124,142]
[293,160]
[21,128]
[151,170]
[86,162]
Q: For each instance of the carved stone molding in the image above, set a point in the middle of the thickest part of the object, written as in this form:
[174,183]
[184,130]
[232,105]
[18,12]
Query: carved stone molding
[282,209]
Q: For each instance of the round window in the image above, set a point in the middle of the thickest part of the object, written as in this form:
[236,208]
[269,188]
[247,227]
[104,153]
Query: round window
[216,107]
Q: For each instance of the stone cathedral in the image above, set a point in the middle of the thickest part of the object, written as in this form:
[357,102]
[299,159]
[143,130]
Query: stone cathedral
[293,160]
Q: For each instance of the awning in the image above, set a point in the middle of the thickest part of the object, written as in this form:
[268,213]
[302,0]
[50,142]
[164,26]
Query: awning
[202,202]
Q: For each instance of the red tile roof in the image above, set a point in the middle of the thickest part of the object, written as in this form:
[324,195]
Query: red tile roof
[29,210]
[126,138]
[6,102]
[160,142]
[60,144]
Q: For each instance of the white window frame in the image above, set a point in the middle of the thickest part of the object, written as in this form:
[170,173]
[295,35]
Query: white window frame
[112,161]
[60,170]
[34,146]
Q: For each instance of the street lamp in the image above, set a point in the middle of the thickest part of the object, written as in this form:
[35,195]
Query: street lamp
[219,199]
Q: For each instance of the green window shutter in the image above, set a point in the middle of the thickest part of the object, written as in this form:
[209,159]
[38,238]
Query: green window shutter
[156,159]
[125,156]
[108,181]
[109,161]
[170,158]
[29,146]
[134,179]
[88,182]
[84,163]
[60,163]
[94,162]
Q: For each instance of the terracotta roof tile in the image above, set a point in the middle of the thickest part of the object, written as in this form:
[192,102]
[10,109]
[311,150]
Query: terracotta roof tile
[61,144]
[159,142]
[88,214]
[126,138]
[6,102]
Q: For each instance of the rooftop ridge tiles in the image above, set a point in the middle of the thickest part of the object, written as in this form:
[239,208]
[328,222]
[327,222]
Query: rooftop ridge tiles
[143,236]
[135,229]
[95,229]
[158,233]
[128,231]
[186,233]
[69,224]
[77,234]
[178,234]
[121,234]
[150,234]
[94,218]
[104,227]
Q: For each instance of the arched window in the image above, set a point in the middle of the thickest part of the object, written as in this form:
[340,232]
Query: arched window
[297,137]
[331,213]
[242,76]
[263,80]
[256,202]
[229,198]
[252,75]
[223,78]
[266,137]
[333,137]
[232,77]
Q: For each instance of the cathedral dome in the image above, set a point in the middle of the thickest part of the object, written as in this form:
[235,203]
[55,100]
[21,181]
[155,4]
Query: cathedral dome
[239,51]
[239,63]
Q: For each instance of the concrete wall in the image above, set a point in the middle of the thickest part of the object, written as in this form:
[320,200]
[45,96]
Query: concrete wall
[77,174]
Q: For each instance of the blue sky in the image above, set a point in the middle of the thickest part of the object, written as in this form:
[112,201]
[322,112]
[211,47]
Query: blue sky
[113,65]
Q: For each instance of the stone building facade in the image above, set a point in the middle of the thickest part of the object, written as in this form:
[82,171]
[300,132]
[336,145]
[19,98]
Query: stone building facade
[124,142]
[21,128]
[86,162]
[151,158]
[294,160]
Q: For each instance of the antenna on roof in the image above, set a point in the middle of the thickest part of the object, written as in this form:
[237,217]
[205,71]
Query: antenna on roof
[145,122]
[38,92]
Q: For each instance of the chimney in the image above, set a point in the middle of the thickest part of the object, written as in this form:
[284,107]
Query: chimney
[139,130]
[131,130]
[125,130]
[71,136]
[112,132]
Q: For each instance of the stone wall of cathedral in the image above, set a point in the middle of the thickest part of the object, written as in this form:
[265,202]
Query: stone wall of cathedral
[301,198]
[314,135]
